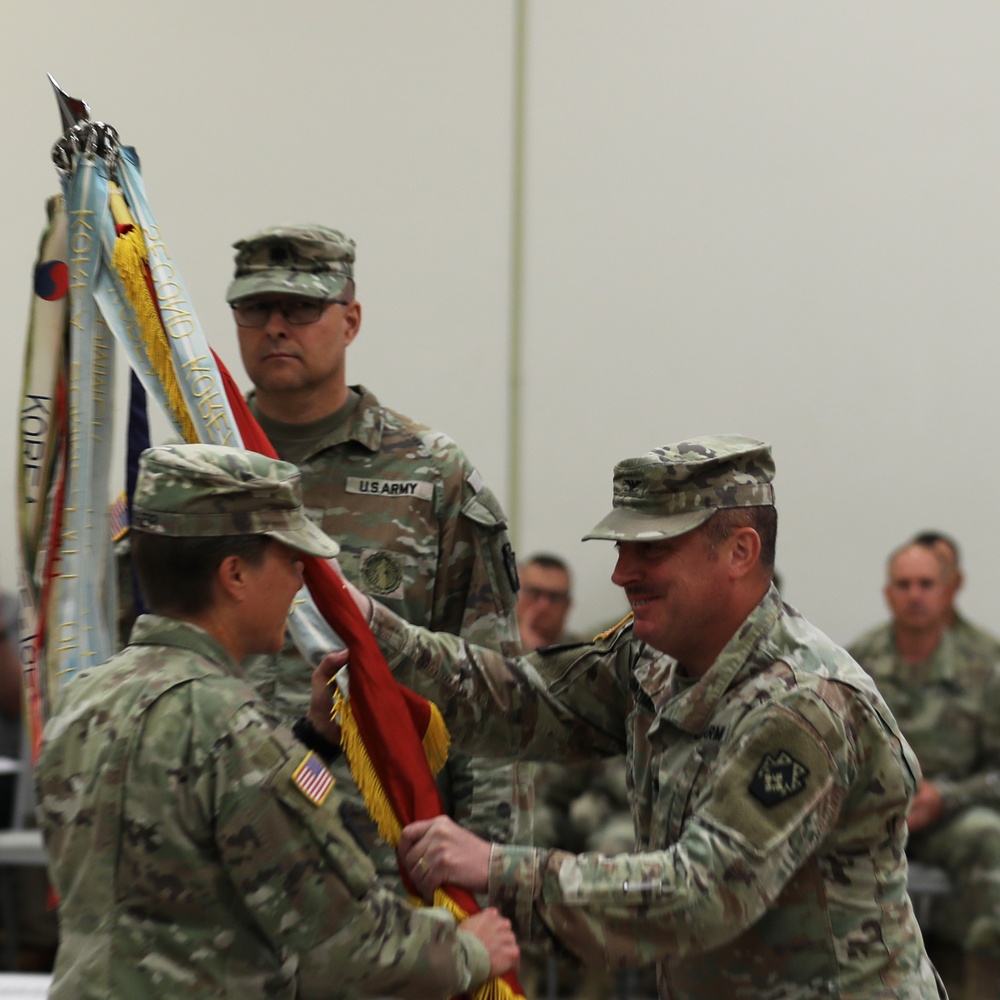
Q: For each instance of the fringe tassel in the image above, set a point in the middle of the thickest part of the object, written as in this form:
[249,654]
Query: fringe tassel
[435,742]
[492,989]
[131,262]
[363,772]
[496,989]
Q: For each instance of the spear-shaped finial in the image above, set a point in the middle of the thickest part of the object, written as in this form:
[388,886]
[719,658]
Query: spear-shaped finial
[81,134]
[73,110]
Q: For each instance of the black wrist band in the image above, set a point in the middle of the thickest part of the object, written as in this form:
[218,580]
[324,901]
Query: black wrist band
[305,732]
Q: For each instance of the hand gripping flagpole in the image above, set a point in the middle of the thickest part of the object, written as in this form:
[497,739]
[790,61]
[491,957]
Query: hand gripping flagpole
[104,275]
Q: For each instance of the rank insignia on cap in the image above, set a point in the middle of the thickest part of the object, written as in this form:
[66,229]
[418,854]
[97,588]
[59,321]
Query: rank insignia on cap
[312,779]
[779,777]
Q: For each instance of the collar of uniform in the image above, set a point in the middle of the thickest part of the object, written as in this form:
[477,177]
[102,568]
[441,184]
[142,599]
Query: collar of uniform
[691,708]
[367,421]
[941,665]
[158,630]
[364,424]
[654,672]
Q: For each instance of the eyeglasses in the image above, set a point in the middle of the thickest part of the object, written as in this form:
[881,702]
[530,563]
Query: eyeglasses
[298,312]
[541,594]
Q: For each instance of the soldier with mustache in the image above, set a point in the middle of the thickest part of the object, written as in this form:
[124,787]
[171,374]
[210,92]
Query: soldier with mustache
[768,782]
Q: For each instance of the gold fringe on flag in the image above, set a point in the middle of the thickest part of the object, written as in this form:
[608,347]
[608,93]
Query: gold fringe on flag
[492,989]
[435,743]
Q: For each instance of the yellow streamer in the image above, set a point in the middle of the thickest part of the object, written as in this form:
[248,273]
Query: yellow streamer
[130,261]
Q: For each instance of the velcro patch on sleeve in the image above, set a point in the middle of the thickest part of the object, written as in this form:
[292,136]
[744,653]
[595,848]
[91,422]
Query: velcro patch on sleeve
[770,780]
[312,779]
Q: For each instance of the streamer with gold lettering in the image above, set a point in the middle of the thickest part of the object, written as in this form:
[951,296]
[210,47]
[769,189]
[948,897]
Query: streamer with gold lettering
[125,284]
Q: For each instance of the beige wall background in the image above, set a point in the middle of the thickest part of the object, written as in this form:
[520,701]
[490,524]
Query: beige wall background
[773,218]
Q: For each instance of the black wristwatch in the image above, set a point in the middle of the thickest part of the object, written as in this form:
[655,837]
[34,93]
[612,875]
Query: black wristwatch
[306,733]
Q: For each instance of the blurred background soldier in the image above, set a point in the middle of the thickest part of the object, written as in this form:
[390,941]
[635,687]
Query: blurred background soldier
[578,807]
[947,548]
[30,924]
[415,522]
[184,824]
[944,690]
[544,601]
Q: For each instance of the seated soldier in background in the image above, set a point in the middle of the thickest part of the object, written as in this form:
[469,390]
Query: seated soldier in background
[944,690]
[197,848]
[544,601]
[578,807]
[947,548]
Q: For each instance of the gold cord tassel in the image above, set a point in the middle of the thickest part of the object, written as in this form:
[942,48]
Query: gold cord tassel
[130,261]
[436,741]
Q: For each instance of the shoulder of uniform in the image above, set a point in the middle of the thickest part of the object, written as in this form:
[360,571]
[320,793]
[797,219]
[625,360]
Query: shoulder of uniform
[403,433]
[606,639]
[875,641]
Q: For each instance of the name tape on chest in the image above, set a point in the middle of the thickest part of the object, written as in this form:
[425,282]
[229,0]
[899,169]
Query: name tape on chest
[312,779]
[390,488]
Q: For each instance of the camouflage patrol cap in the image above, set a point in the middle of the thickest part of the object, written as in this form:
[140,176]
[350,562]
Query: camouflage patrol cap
[189,490]
[671,490]
[308,260]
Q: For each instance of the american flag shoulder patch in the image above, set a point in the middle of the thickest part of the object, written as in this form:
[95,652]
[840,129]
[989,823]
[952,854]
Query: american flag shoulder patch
[312,779]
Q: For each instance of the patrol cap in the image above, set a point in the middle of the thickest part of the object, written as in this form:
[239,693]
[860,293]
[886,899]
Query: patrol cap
[191,490]
[672,490]
[307,260]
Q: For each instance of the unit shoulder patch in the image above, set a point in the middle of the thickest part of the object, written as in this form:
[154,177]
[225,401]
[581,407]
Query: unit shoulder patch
[769,777]
[778,777]
[312,779]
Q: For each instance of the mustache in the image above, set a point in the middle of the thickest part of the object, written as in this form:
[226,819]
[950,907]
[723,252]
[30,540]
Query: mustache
[631,592]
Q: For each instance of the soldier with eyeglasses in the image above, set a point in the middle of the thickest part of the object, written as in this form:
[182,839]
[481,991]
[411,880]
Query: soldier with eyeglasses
[415,522]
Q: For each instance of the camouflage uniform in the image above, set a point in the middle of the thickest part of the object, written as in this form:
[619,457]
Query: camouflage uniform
[972,634]
[187,860]
[769,795]
[417,527]
[956,691]
[196,847]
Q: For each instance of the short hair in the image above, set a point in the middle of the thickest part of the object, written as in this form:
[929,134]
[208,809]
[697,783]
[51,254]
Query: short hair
[919,542]
[763,520]
[936,537]
[547,560]
[175,573]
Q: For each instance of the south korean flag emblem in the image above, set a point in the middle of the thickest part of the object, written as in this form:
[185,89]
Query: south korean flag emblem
[779,776]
